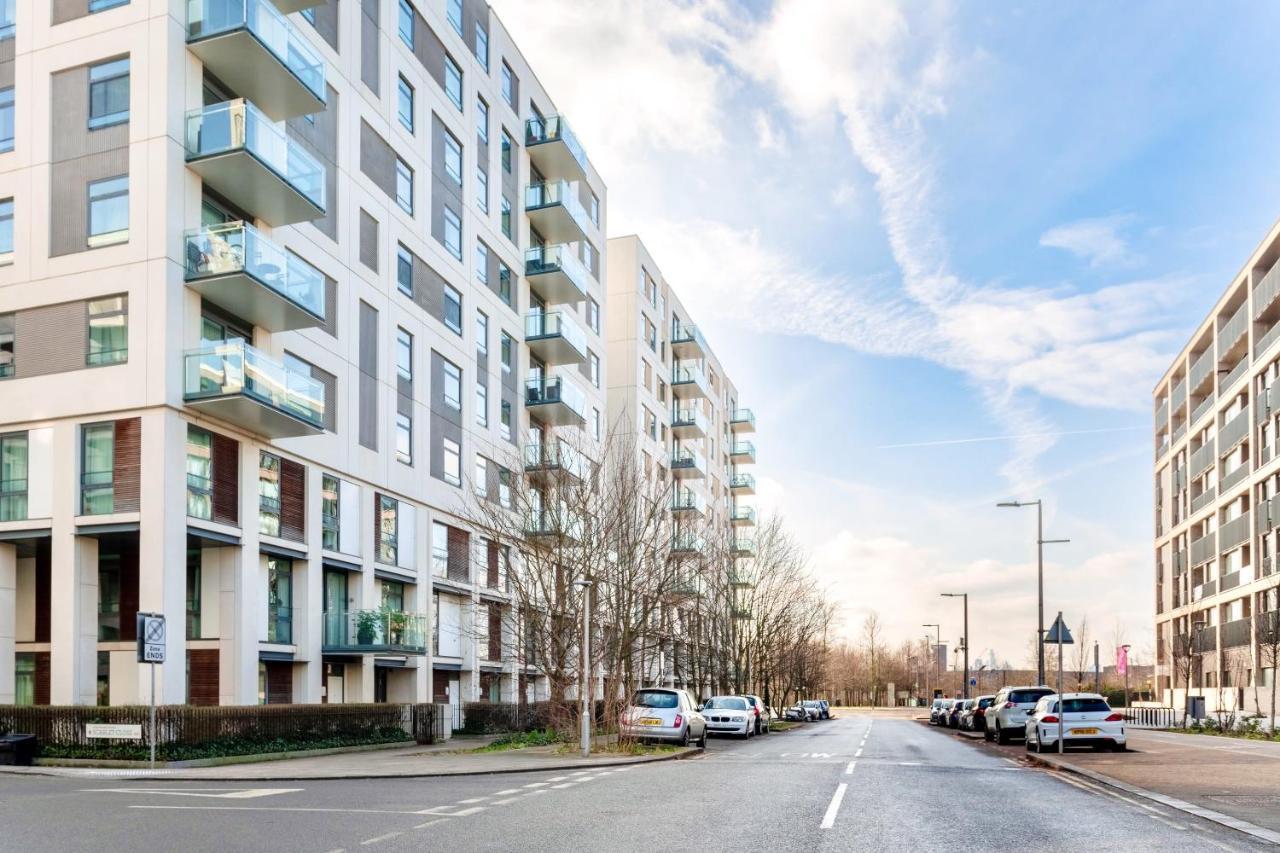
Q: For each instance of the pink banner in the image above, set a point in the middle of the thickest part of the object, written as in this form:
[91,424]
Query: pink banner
[1122,660]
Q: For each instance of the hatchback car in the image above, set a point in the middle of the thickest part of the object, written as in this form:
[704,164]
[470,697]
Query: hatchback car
[1085,719]
[795,713]
[944,710]
[813,708]
[826,709]
[956,710]
[763,715]
[1007,716]
[661,713]
[731,715]
[935,711]
[973,718]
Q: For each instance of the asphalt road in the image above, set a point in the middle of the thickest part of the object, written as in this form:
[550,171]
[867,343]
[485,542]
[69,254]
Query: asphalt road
[854,783]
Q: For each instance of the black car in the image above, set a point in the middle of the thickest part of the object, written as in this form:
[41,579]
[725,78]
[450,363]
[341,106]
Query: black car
[953,713]
[935,710]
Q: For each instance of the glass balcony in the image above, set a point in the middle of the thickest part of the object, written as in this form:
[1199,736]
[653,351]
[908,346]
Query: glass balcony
[555,401]
[685,586]
[689,423]
[554,456]
[687,501]
[738,577]
[558,525]
[742,420]
[252,163]
[375,631]
[235,267]
[689,382]
[742,452]
[742,484]
[235,382]
[556,274]
[554,149]
[683,542]
[251,47]
[554,337]
[687,463]
[687,342]
[554,210]
[743,547]
[743,516]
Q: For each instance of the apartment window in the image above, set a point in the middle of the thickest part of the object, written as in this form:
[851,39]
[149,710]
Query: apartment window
[506,218]
[268,494]
[453,11]
[651,333]
[508,350]
[594,209]
[482,45]
[593,315]
[8,18]
[279,601]
[595,424]
[453,309]
[108,606]
[482,189]
[330,490]
[404,439]
[453,157]
[6,118]
[404,270]
[505,418]
[108,93]
[482,332]
[453,82]
[405,104]
[504,283]
[504,491]
[452,385]
[594,361]
[109,211]
[452,462]
[13,476]
[404,186]
[388,530]
[508,147]
[452,233]
[482,120]
[406,23]
[508,85]
[104,5]
[6,231]
[404,355]
[97,465]
[108,331]
[439,549]
[199,473]
[482,405]
[482,263]
[193,595]
[481,484]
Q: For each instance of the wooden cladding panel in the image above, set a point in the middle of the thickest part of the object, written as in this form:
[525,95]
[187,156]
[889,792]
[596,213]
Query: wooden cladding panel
[279,682]
[459,555]
[42,693]
[226,479]
[202,677]
[495,633]
[293,500]
[127,472]
[492,574]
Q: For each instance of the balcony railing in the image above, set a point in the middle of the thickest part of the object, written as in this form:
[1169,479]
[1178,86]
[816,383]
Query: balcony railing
[689,381]
[555,210]
[1237,476]
[371,631]
[742,483]
[687,500]
[554,337]
[237,268]
[1203,499]
[1162,414]
[1203,408]
[687,340]
[1233,330]
[241,384]
[1236,633]
[555,456]
[554,149]
[743,515]
[1267,291]
[1204,549]
[1202,458]
[1232,433]
[1206,640]
[1262,516]
[555,400]
[556,274]
[743,547]
[239,152]
[1233,533]
[687,462]
[683,542]
[1236,373]
[549,523]
[742,451]
[252,47]
[742,420]
[1266,340]
[1179,394]
[1231,580]
[1201,368]
[689,422]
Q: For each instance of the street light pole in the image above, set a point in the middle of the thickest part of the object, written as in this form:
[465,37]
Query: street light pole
[937,665]
[1040,543]
[964,690]
[585,585]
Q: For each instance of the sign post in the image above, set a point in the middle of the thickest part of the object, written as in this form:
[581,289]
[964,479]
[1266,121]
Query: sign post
[151,648]
[1060,635]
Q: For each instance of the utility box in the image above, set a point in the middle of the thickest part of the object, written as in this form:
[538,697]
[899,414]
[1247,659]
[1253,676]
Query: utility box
[1195,707]
[19,750]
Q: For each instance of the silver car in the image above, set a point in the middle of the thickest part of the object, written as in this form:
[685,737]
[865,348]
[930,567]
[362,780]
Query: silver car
[763,715]
[664,713]
[730,715]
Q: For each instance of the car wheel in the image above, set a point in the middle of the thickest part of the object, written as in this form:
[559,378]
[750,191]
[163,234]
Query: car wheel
[1000,738]
[702,741]
[684,737]
[1121,747]
[986,735]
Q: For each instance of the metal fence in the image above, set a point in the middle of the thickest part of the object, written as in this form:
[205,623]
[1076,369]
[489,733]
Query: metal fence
[1152,718]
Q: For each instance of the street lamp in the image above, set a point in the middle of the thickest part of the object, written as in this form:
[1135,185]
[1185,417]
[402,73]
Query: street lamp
[964,690]
[937,659]
[585,690]
[1040,543]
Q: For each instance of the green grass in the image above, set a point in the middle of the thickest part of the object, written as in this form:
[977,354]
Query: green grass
[522,740]
[222,748]
[782,726]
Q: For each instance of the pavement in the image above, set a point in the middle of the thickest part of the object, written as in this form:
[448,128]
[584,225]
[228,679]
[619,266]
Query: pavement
[864,781]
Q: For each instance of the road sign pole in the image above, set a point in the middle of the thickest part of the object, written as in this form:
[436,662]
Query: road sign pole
[153,716]
[1062,702]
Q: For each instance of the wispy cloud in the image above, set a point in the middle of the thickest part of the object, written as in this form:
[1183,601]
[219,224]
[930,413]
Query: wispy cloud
[1098,241]
[944,442]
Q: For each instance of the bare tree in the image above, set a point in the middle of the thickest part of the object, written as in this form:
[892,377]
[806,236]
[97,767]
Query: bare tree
[1081,653]
[1267,631]
[873,646]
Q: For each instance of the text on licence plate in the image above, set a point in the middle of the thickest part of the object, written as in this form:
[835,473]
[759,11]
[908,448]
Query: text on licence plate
[1084,731]
[650,721]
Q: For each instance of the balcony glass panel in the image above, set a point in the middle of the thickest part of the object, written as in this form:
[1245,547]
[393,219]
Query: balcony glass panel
[375,630]
[538,131]
[208,18]
[557,454]
[229,368]
[563,193]
[545,391]
[236,247]
[552,324]
[560,258]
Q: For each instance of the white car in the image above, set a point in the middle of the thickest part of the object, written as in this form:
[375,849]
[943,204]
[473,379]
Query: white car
[729,715]
[1086,720]
[1007,716]
[663,713]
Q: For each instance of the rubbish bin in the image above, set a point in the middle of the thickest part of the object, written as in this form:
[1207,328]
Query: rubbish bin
[17,750]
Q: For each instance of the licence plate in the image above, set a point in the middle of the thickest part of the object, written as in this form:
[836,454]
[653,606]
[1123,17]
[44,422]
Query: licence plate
[1084,731]
[650,721]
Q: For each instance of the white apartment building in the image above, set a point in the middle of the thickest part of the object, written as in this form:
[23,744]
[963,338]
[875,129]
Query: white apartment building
[1216,511]
[284,281]
[668,390]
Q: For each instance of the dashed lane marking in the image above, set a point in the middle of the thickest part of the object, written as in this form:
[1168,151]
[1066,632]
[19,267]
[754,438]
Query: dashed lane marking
[537,784]
[387,837]
[507,792]
[1167,822]
[564,785]
[829,819]
[473,800]
[431,823]
[453,811]
[849,768]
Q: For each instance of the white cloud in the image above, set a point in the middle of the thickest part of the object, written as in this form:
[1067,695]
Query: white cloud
[767,137]
[1097,241]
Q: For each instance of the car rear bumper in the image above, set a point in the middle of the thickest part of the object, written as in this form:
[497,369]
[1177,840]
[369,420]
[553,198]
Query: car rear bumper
[652,732]
[1104,737]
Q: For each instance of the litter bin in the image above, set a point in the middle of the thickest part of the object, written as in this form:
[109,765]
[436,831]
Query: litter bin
[17,750]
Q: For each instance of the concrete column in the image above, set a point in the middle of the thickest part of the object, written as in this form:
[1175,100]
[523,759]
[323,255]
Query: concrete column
[223,564]
[162,552]
[8,621]
[73,620]
[420,596]
[309,599]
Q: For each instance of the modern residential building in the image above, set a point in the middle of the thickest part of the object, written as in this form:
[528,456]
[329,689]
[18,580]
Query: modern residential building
[284,282]
[668,390]
[1216,506]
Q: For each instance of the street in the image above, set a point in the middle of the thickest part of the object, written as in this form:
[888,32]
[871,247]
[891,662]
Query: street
[858,782]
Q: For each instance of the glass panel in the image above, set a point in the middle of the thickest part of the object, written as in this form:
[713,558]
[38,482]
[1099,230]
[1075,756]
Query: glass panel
[199,473]
[234,367]
[193,593]
[108,331]
[6,117]
[206,18]
[108,597]
[97,491]
[109,211]
[109,93]
[329,517]
[13,477]
[236,247]
[279,601]
[542,129]
[269,494]
[387,530]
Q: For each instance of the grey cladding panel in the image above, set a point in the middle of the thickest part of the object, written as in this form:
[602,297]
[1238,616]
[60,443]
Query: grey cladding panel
[50,339]
[428,48]
[428,288]
[404,405]
[69,202]
[511,396]
[7,49]
[70,120]
[327,22]
[330,383]
[69,10]
[320,139]
[368,376]
[368,240]
[585,367]
[369,60]
[6,70]
[510,180]
[368,339]
[377,159]
[441,198]
[438,405]
[331,307]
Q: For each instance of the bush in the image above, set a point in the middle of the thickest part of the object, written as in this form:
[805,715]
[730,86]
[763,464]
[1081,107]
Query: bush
[486,718]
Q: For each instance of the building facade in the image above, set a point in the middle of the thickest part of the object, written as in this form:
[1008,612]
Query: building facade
[1216,513]
[286,283]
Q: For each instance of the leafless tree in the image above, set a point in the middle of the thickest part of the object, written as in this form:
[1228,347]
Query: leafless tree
[1267,631]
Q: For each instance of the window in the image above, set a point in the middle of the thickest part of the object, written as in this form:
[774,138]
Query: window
[6,231]
[452,462]
[388,530]
[453,82]
[393,597]
[309,15]
[504,492]
[481,484]
[8,18]
[193,595]
[405,104]
[108,600]
[452,385]
[482,263]
[594,361]
[97,463]
[508,149]
[508,85]
[482,332]
[453,309]
[504,283]
[482,189]
[108,211]
[482,120]
[594,210]
[108,93]
[268,494]
[404,355]
[651,334]
[104,5]
[406,23]
[482,405]
[6,117]
[439,549]
[404,186]
[279,601]
[404,439]
[453,11]
[404,270]
[505,417]
[13,476]
[199,473]
[506,218]
[595,424]
[452,233]
[482,45]
[593,315]
[330,490]
[453,157]
[108,331]
[508,349]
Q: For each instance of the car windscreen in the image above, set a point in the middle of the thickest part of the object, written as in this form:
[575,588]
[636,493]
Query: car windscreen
[1085,706]
[809,703]
[654,699]
[1028,697]
[726,703]
[985,703]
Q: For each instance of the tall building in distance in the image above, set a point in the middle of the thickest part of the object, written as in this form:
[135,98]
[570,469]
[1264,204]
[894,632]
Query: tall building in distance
[281,279]
[1216,505]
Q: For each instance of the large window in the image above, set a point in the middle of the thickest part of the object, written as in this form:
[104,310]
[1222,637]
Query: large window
[480,480]
[482,189]
[482,332]
[108,331]
[13,476]
[268,494]
[193,593]
[505,220]
[453,11]
[7,344]
[6,118]
[6,231]
[508,147]
[404,270]
[279,601]
[482,45]
[453,157]
[404,104]
[404,438]
[97,465]
[509,85]
[404,186]
[453,82]
[482,405]
[439,549]
[330,492]
[199,473]
[8,18]
[482,263]
[104,5]
[108,93]
[482,120]
[452,385]
[108,597]
[405,23]
[388,530]
[404,355]
[109,211]
[508,351]
[504,284]
[506,420]
[453,309]
[452,462]
[594,361]
[593,315]
[452,233]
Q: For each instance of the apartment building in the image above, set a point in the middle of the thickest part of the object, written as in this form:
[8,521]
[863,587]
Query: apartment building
[669,392]
[285,283]
[1216,511]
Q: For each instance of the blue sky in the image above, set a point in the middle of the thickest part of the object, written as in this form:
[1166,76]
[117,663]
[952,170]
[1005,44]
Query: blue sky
[927,222]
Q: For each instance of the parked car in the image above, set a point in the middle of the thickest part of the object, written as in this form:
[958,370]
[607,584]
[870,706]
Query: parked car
[826,709]
[729,715]
[944,711]
[661,713]
[935,711]
[973,719]
[953,714]
[1007,716]
[814,707]
[763,715]
[1087,720]
[796,713]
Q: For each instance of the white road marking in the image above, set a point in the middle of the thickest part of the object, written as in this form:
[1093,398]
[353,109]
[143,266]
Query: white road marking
[377,838]
[1166,822]
[564,785]
[274,809]
[339,850]
[541,784]
[562,778]
[829,819]
[509,791]
[857,754]
[474,800]
[441,810]
[849,768]
[214,793]
[431,823]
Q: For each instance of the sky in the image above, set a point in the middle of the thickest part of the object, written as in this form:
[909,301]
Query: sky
[945,251]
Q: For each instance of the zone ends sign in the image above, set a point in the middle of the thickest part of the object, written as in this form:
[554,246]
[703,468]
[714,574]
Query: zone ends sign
[151,638]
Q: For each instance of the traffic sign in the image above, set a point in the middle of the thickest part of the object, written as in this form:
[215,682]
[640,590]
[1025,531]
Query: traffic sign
[151,638]
[973,682]
[1058,633]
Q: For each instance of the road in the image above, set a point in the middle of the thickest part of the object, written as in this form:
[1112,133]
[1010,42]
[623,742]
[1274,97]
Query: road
[854,783]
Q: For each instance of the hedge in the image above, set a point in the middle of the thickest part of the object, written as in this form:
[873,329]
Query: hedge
[484,718]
